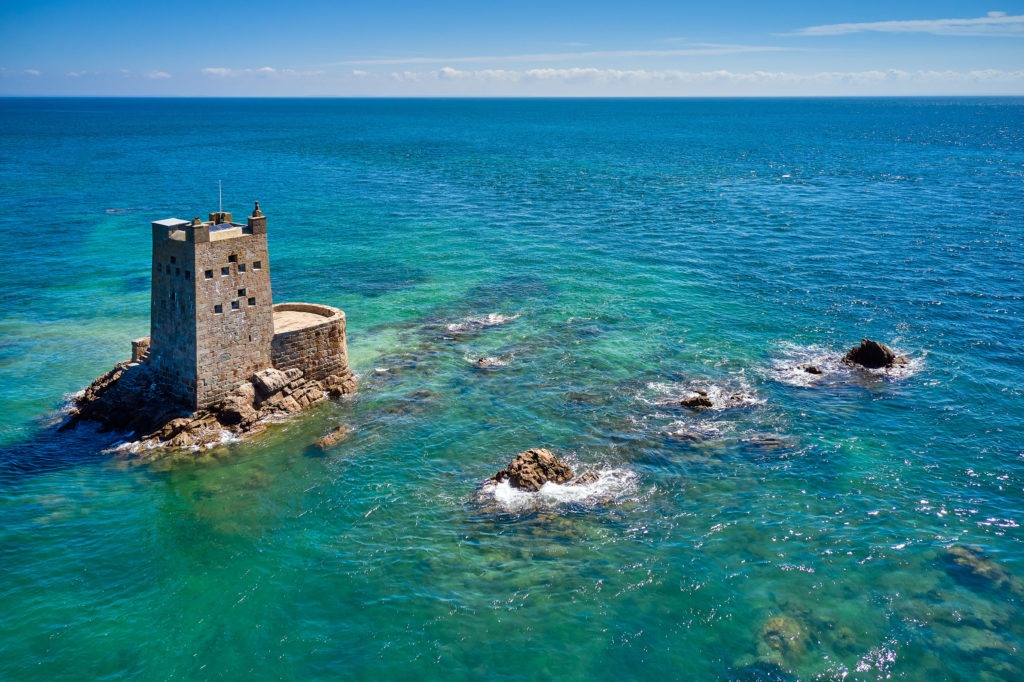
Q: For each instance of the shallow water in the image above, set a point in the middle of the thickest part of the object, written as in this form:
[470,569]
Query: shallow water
[615,255]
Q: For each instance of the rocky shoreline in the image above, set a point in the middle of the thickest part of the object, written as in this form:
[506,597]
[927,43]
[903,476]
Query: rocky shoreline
[129,399]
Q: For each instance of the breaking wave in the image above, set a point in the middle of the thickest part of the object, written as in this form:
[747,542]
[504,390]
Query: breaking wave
[476,323]
[611,485]
[795,365]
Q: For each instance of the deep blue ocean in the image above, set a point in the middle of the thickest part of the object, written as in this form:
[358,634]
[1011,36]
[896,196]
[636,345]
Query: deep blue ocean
[610,257]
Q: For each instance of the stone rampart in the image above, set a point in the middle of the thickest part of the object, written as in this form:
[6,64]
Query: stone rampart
[318,348]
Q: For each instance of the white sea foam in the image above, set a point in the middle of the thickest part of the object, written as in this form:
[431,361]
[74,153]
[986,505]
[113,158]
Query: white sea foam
[488,361]
[736,392]
[476,323]
[697,432]
[790,367]
[612,484]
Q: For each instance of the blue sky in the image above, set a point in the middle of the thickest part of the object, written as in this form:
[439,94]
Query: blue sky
[525,48]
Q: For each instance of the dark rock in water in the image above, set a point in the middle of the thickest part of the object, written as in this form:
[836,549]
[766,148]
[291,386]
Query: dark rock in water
[811,369]
[873,355]
[971,565]
[697,402]
[532,469]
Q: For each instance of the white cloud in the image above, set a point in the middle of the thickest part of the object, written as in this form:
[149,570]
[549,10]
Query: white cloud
[158,75]
[32,72]
[605,76]
[993,24]
[702,49]
[263,72]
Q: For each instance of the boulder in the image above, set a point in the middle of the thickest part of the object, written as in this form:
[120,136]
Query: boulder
[235,410]
[269,381]
[533,468]
[873,355]
[811,369]
[338,385]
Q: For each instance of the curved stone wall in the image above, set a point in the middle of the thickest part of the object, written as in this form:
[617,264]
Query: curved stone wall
[319,349]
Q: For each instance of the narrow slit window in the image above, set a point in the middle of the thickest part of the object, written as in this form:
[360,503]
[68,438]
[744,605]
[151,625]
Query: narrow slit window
[252,300]
[225,271]
[208,274]
[168,269]
[173,296]
[218,308]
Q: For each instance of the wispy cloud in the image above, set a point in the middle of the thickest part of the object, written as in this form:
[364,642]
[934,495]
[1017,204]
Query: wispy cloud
[593,75]
[695,50]
[993,24]
[32,72]
[263,72]
[158,75]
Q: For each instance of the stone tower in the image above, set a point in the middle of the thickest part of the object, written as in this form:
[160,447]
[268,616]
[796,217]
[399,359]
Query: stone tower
[211,314]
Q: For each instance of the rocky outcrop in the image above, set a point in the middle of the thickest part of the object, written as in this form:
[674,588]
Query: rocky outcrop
[532,469]
[873,355]
[701,401]
[128,398]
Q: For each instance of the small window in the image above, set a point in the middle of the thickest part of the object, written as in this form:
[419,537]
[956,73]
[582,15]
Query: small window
[241,267]
[225,271]
[257,265]
[218,308]
[241,293]
[252,300]
[233,258]
[208,274]
[234,305]
[177,271]
[173,260]
[172,295]
[168,269]
[188,275]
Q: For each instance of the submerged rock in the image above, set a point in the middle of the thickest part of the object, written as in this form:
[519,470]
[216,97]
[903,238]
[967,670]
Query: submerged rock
[782,641]
[971,563]
[533,468]
[873,355]
[337,434]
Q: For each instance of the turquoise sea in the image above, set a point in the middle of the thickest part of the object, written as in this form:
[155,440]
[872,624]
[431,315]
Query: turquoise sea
[612,256]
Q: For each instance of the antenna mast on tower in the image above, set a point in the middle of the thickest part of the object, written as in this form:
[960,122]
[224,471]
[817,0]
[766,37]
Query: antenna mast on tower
[220,197]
